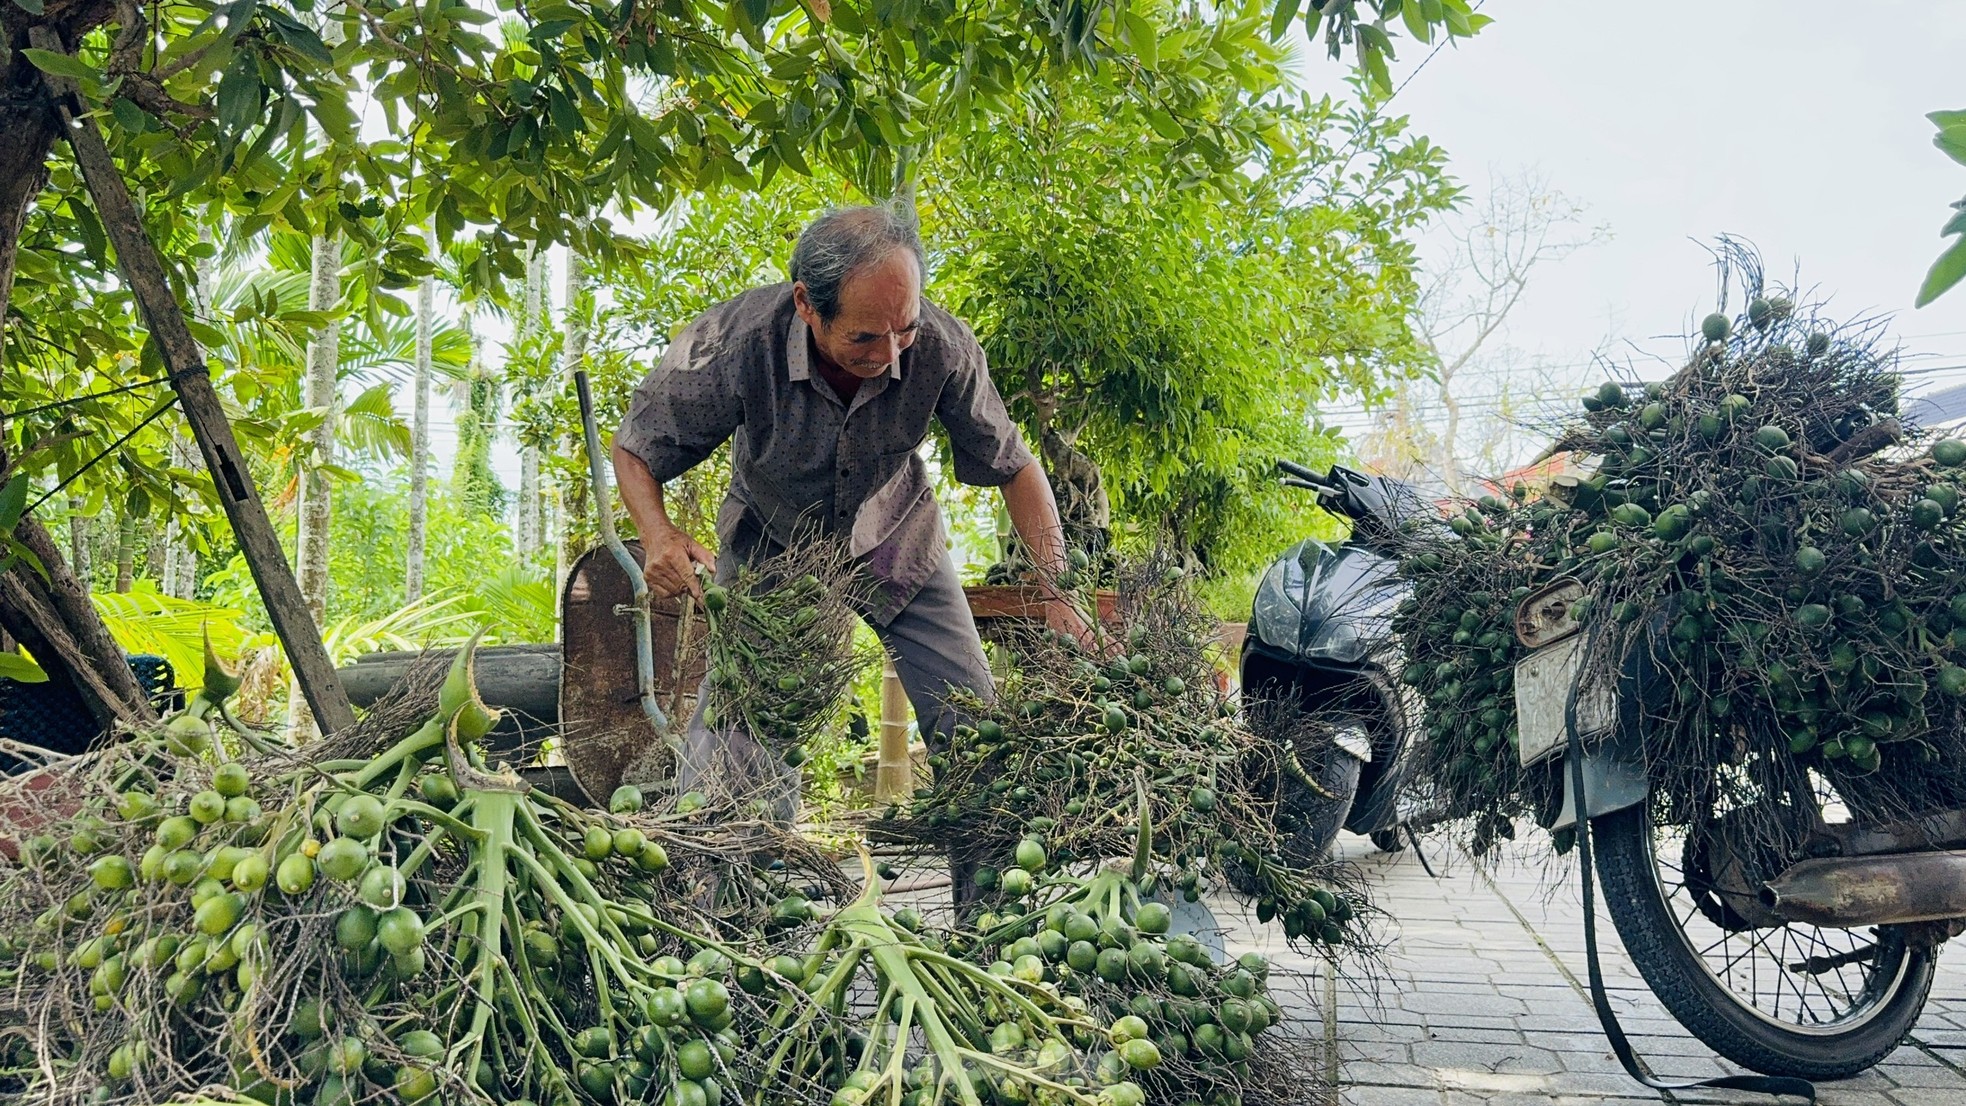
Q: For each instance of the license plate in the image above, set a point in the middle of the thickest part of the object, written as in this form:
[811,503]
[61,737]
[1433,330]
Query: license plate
[1542,687]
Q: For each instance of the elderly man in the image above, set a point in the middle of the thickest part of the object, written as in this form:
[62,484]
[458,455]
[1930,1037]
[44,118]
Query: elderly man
[824,387]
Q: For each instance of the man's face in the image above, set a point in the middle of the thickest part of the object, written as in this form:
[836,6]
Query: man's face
[880,312]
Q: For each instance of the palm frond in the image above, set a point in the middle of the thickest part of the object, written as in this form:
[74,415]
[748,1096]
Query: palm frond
[391,351]
[369,424]
[144,620]
[434,620]
[516,604]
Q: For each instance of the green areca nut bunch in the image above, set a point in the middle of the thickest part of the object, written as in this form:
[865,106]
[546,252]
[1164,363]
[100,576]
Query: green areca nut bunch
[411,926]
[1053,773]
[1775,578]
[406,926]
[780,646]
[1460,646]
[1183,1027]
[943,1028]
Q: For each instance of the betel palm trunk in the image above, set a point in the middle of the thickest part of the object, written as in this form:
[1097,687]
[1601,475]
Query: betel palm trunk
[413,566]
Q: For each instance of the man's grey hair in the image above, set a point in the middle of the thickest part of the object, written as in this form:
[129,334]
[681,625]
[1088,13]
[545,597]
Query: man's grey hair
[844,240]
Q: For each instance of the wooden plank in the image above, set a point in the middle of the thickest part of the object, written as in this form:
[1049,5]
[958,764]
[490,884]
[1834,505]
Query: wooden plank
[1022,603]
[143,271]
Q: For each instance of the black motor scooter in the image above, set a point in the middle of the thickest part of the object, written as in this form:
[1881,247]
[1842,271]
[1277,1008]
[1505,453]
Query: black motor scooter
[1321,665]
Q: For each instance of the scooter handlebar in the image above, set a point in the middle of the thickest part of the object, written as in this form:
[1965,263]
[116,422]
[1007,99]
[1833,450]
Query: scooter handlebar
[1292,468]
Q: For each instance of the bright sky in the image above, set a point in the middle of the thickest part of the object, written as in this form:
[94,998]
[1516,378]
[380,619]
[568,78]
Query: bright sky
[1798,125]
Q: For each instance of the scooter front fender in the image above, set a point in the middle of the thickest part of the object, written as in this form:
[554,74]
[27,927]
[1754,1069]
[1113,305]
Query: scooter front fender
[1613,781]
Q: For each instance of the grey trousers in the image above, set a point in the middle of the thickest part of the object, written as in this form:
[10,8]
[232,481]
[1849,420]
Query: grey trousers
[935,647]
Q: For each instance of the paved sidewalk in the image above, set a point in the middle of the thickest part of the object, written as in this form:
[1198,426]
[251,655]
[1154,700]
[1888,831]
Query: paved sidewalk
[1484,1002]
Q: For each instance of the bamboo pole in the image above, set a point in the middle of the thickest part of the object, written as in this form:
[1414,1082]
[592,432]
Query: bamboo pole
[894,773]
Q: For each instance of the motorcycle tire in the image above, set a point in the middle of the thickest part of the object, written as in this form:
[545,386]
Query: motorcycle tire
[1727,1023]
[1319,812]
[1388,840]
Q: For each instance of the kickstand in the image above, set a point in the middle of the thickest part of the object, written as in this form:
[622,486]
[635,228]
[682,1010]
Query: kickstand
[1413,840]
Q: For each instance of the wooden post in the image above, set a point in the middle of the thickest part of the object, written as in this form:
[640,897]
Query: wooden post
[143,270]
[894,773]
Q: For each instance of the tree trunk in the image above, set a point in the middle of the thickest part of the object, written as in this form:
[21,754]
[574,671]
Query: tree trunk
[54,617]
[31,128]
[180,557]
[574,508]
[316,507]
[528,523]
[179,578]
[78,540]
[426,309]
[153,557]
[143,273]
[528,519]
[58,622]
[126,552]
[1450,445]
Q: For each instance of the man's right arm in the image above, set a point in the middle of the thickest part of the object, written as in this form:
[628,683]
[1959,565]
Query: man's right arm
[680,413]
[670,555]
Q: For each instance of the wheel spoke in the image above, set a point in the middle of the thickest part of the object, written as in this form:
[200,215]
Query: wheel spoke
[1765,969]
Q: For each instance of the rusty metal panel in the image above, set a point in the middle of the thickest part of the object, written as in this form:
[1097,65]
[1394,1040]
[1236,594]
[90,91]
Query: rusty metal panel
[1548,614]
[604,733]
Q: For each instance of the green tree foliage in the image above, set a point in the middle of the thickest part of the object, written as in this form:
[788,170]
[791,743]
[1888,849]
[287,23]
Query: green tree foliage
[1182,334]
[1370,27]
[373,120]
[1950,268]
[248,127]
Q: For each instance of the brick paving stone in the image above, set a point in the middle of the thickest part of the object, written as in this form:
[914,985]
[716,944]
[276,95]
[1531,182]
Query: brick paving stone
[1929,1096]
[1471,1021]
[1374,1073]
[1466,1099]
[1473,996]
[1384,1052]
[1928,1075]
[1390,1096]
[1880,1078]
[1375,1033]
[1486,1005]
[1834,1094]
[1480,1036]
[1512,1057]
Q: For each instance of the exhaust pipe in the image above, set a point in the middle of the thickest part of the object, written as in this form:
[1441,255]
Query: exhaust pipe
[1853,891]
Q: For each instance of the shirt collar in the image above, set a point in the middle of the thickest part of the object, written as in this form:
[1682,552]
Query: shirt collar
[798,347]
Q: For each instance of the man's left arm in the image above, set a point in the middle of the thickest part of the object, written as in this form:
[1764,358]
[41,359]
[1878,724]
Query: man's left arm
[1034,512]
[988,449]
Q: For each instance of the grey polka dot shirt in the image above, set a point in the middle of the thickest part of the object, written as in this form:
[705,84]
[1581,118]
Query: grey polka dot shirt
[802,457]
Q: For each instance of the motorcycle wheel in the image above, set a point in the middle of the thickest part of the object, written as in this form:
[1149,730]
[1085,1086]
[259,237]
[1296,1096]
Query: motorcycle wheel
[1318,806]
[1388,840]
[1796,1000]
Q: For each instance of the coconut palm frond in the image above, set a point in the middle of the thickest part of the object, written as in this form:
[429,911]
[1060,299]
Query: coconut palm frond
[391,351]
